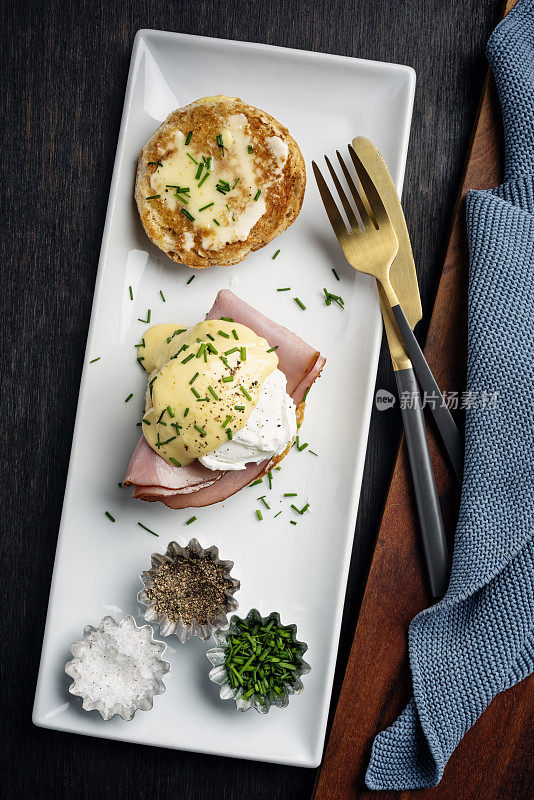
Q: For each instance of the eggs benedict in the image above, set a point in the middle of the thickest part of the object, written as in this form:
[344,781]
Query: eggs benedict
[223,402]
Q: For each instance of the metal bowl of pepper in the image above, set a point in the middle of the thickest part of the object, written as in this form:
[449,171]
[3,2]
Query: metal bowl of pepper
[258,662]
[188,591]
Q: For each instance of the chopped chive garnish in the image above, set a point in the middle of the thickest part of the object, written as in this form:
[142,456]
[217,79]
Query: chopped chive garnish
[199,429]
[94,359]
[250,148]
[154,197]
[186,412]
[147,529]
[304,508]
[213,393]
[212,349]
[233,350]
[174,461]
[272,349]
[108,515]
[328,297]
[300,447]
[186,213]
[199,170]
[335,274]
[259,515]
[306,392]
[240,408]
[277,515]
[188,358]
[276,254]
[224,334]
[209,205]
[182,199]
[162,296]
[146,421]
[227,319]
[131,292]
[243,353]
[141,343]
[227,378]
[190,279]
[292,522]
[313,453]
[244,391]
[284,289]
[191,157]
[270,479]
[197,394]
[190,520]
[147,320]
[210,337]
[217,223]
[205,178]
[299,303]
[220,142]
[226,421]
[290,494]
[235,334]
[256,196]
[229,433]
[188,137]
[264,501]
[129,397]
[200,350]
[193,379]
[255,483]
[155,162]
[235,184]
[295,508]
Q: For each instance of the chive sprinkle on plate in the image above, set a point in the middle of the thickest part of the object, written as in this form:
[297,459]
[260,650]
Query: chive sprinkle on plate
[94,359]
[299,303]
[335,274]
[276,254]
[131,292]
[144,527]
[190,520]
[190,279]
[108,515]
[127,399]
[162,296]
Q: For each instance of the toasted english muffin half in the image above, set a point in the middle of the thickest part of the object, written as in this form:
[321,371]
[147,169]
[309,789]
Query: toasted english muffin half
[218,179]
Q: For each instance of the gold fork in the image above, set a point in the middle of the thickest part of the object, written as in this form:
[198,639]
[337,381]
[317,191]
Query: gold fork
[372,250]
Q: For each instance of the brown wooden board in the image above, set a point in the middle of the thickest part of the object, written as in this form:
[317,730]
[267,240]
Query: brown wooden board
[494,760]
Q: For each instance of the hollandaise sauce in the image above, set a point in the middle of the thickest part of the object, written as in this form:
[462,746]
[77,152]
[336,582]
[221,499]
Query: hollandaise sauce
[203,385]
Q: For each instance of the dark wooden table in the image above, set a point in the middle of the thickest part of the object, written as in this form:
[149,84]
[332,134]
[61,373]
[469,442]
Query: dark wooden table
[64,68]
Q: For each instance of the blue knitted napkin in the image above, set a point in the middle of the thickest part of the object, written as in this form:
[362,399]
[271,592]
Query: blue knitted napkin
[479,640]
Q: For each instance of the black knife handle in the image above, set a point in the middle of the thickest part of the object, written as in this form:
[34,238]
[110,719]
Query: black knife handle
[447,427]
[426,493]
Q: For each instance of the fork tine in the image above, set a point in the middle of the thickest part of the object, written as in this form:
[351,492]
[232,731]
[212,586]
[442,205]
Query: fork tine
[336,220]
[343,197]
[377,207]
[360,205]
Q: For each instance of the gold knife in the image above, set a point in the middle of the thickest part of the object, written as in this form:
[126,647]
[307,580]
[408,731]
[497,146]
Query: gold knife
[404,280]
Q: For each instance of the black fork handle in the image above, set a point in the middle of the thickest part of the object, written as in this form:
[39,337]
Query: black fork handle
[426,493]
[447,427]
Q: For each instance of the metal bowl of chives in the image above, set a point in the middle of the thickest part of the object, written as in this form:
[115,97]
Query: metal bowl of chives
[261,669]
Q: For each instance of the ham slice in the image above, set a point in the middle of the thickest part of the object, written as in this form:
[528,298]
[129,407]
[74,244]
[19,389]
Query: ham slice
[147,468]
[195,486]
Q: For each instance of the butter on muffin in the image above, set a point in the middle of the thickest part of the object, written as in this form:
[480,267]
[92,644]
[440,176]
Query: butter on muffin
[218,179]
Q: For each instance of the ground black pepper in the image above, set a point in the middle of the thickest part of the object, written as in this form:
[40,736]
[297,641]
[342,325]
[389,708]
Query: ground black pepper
[189,588]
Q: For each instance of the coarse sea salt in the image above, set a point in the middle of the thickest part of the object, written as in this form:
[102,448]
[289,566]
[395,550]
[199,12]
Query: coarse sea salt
[117,668]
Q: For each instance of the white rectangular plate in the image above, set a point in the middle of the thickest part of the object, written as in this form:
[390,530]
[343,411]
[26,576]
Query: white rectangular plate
[301,570]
